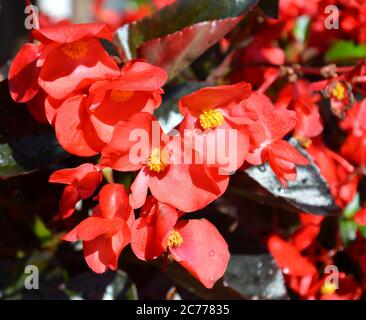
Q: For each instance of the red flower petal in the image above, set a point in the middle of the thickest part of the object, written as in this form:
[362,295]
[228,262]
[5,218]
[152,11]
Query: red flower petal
[149,232]
[139,189]
[285,151]
[214,97]
[198,186]
[74,130]
[69,176]
[23,73]
[94,227]
[360,217]
[72,32]
[36,107]
[70,197]
[61,75]
[113,202]
[141,76]
[203,252]
[119,154]
[289,258]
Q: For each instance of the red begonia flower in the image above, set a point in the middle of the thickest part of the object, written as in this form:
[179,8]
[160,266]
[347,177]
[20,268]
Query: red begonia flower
[138,89]
[289,258]
[306,234]
[221,102]
[219,113]
[341,97]
[149,231]
[336,170]
[300,97]
[162,166]
[107,231]
[269,126]
[85,124]
[82,183]
[199,247]
[73,58]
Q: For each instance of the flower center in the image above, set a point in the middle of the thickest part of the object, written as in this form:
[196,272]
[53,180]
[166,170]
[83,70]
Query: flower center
[121,95]
[339,91]
[175,239]
[75,50]
[328,288]
[156,162]
[211,119]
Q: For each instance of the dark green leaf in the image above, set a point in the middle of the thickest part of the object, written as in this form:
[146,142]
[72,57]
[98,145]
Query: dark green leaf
[40,230]
[347,230]
[345,50]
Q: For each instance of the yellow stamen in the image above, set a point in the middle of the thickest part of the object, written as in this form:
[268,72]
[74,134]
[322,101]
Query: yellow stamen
[211,119]
[304,142]
[75,50]
[121,95]
[339,91]
[156,162]
[328,288]
[175,239]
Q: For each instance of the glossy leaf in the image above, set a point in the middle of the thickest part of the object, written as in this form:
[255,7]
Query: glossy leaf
[170,20]
[178,50]
[309,193]
[255,277]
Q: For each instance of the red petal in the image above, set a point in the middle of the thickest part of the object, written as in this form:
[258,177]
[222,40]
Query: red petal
[305,236]
[94,227]
[141,76]
[360,217]
[98,252]
[36,107]
[113,202]
[61,75]
[23,73]
[68,176]
[123,149]
[69,199]
[72,32]
[145,242]
[139,189]
[285,151]
[74,130]
[214,97]
[203,252]
[106,115]
[194,186]
[289,258]
[278,123]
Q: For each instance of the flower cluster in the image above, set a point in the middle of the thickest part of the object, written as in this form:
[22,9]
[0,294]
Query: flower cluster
[276,79]
[97,106]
